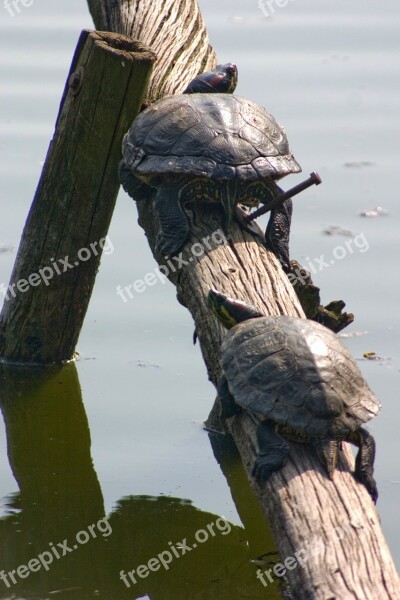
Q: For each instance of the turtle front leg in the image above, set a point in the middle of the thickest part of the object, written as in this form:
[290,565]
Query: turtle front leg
[278,232]
[273,451]
[229,408]
[364,468]
[174,228]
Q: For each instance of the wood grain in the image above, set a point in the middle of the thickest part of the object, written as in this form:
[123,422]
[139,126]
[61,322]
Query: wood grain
[300,503]
[74,201]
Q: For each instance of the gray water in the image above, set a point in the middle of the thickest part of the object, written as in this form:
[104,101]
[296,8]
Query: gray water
[329,72]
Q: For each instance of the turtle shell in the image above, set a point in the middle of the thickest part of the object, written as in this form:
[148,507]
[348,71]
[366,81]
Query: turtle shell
[218,136]
[297,373]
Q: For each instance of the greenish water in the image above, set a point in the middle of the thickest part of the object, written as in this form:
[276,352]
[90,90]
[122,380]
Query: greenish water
[330,74]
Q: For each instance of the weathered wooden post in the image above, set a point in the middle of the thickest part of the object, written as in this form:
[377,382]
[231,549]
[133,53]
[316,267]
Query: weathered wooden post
[175,31]
[66,229]
[302,506]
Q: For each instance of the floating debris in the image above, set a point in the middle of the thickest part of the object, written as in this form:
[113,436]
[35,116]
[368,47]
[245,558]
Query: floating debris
[353,334]
[378,211]
[374,356]
[371,356]
[76,356]
[147,365]
[266,559]
[336,230]
[238,19]
[62,591]
[6,248]
[359,164]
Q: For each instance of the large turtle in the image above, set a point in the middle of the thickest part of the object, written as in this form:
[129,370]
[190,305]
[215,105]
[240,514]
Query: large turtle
[207,146]
[300,379]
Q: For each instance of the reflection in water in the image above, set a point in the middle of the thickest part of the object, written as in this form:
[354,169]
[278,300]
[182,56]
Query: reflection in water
[257,531]
[218,567]
[48,444]
[59,515]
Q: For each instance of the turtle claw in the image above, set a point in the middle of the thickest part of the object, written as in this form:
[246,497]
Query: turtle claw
[261,470]
[266,465]
[272,454]
[174,227]
[229,408]
[364,467]
[369,483]
[169,245]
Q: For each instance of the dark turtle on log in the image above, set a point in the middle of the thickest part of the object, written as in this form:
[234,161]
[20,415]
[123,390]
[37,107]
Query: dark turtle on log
[208,147]
[222,79]
[300,379]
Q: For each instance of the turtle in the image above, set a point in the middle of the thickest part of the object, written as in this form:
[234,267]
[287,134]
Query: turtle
[209,147]
[222,79]
[303,383]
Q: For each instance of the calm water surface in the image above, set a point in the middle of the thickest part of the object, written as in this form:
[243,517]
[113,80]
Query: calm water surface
[330,74]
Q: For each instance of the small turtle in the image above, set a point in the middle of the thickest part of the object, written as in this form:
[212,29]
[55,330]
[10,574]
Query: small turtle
[208,147]
[222,79]
[300,379]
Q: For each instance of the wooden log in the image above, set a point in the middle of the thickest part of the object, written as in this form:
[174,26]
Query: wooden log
[175,31]
[300,503]
[67,225]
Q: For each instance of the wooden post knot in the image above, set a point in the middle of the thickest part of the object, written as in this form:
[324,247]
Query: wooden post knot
[75,81]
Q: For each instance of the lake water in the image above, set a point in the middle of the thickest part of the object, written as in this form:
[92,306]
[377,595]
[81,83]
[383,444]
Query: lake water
[330,74]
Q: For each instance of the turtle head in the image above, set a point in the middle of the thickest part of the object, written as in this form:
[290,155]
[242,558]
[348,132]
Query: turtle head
[222,80]
[230,312]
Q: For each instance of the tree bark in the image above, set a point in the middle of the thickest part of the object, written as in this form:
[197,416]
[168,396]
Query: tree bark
[300,503]
[330,529]
[173,29]
[67,225]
